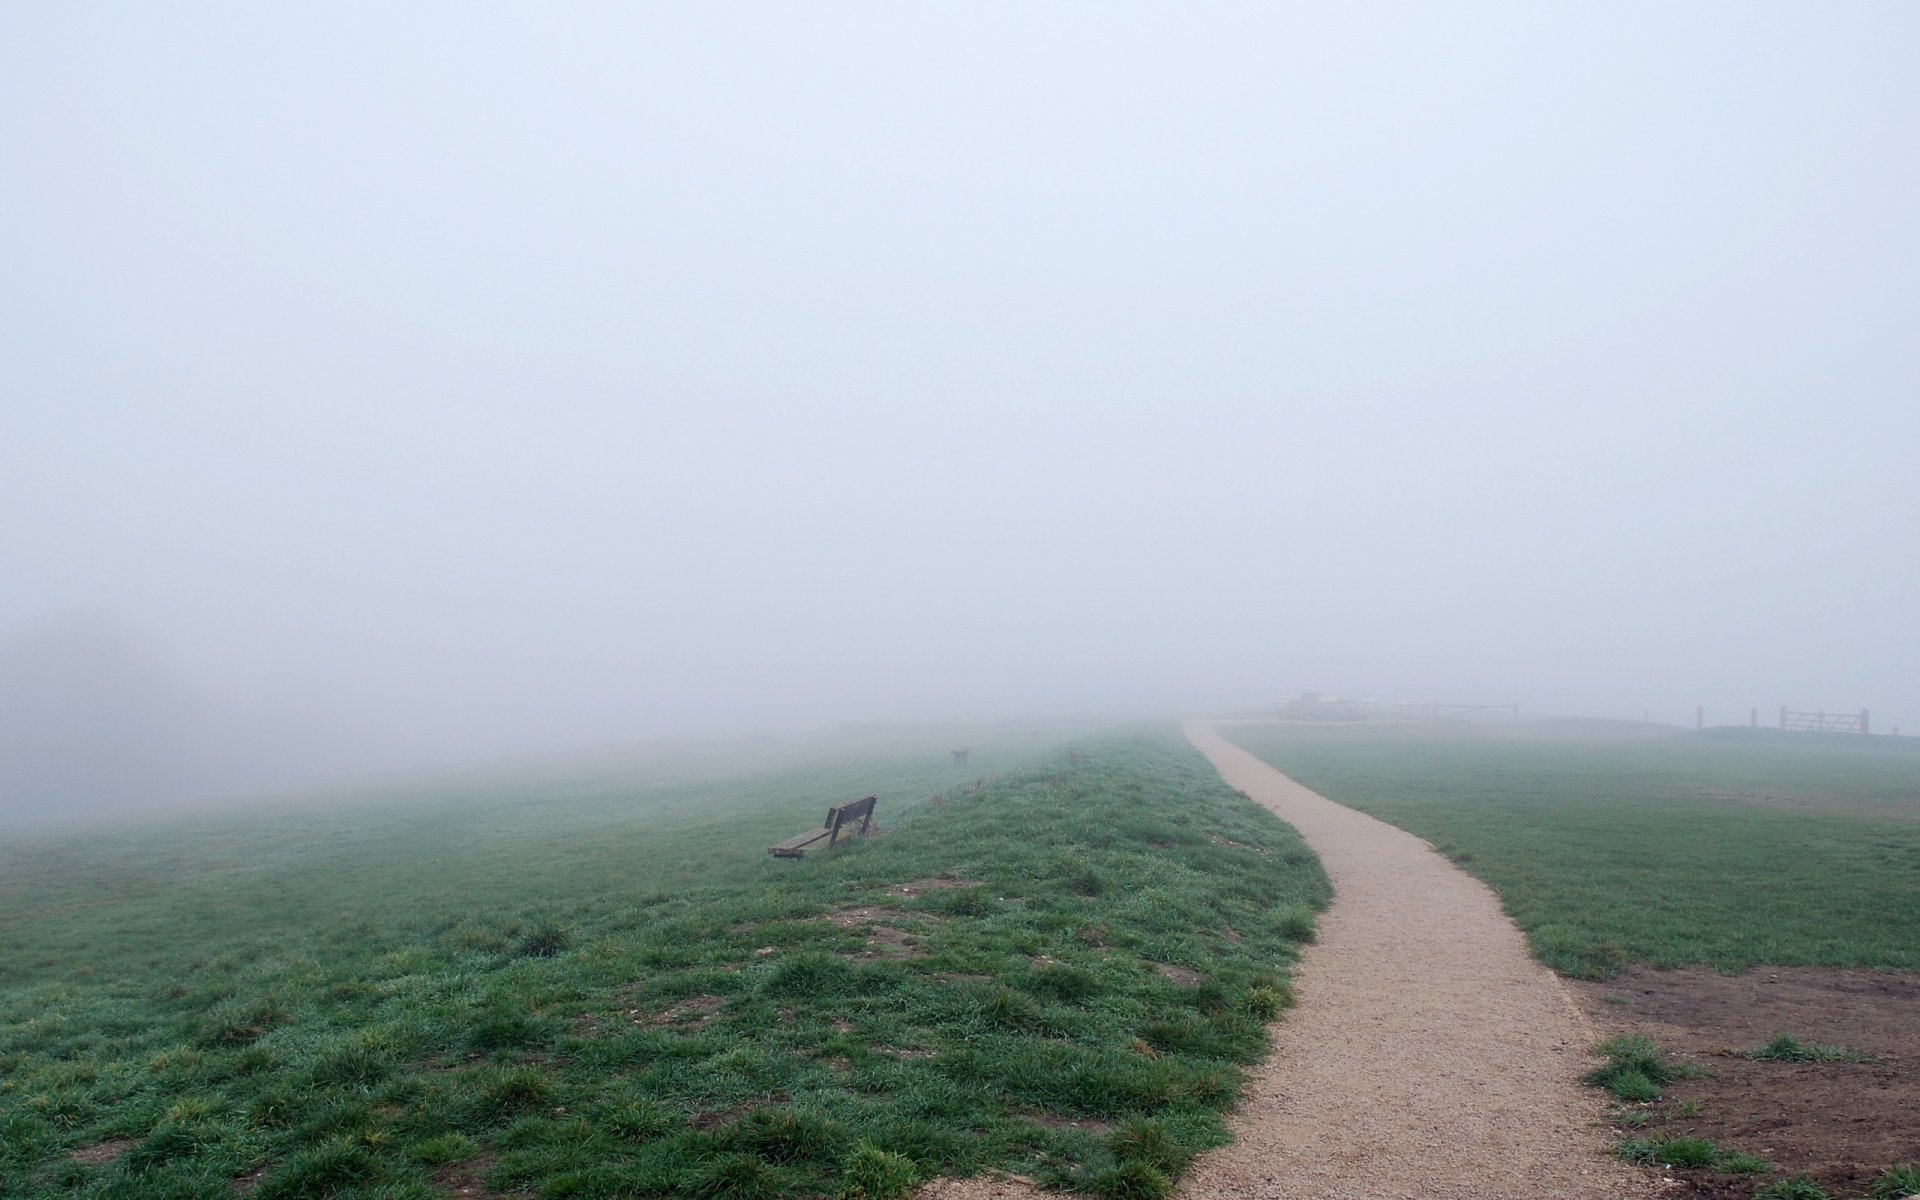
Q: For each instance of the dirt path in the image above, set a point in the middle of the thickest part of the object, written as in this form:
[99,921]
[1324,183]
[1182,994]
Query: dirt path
[1429,1056]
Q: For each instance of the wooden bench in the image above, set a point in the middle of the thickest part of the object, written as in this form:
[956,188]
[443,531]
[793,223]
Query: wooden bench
[841,819]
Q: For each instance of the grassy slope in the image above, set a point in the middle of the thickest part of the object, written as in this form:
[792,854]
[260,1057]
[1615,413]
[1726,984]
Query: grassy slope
[1727,848]
[361,1004]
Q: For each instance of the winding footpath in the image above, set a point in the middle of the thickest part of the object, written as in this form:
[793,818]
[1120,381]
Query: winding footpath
[1429,1058]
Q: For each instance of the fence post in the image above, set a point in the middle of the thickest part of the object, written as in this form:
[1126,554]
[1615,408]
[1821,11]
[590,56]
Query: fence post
[1783,716]
[1863,720]
[1699,717]
[1753,719]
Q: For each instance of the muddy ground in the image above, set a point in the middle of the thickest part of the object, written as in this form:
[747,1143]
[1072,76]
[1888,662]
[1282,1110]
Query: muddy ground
[1838,1123]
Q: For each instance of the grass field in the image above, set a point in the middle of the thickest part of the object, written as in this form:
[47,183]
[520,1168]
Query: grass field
[1610,844]
[1060,970]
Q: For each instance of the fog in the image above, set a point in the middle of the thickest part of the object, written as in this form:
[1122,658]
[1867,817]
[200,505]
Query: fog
[386,385]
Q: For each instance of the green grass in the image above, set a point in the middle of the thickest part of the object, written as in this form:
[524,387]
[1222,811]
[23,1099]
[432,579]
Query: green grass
[1895,1183]
[614,991]
[1784,1047]
[1796,1188]
[1635,1070]
[1612,847]
[1669,1152]
[1690,1153]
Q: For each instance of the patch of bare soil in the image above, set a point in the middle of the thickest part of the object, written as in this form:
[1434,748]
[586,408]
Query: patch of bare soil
[102,1152]
[980,1187]
[1180,975]
[931,884]
[1049,1121]
[1838,1123]
[882,941]
[243,1185]
[466,1179]
[688,1014]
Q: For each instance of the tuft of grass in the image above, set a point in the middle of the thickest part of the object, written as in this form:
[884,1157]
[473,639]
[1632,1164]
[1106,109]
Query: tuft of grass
[736,1177]
[1784,1047]
[354,1063]
[1148,1141]
[1739,1162]
[511,1091]
[1131,1180]
[1798,1187]
[1059,981]
[543,941]
[809,974]
[1265,1002]
[328,1169]
[1688,1152]
[1627,1084]
[785,1138]
[1635,1070]
[1895,1183]
[442,1149]
[238,1022]
[870,1173]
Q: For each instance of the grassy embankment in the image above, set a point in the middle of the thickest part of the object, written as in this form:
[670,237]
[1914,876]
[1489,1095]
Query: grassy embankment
[1609,846]
[1062,972]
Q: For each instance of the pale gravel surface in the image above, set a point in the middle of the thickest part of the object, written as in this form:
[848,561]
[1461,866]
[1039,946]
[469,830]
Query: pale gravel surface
[1430,1058]
[1429,1055]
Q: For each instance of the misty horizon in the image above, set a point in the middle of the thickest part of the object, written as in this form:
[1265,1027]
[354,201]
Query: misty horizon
[383,389]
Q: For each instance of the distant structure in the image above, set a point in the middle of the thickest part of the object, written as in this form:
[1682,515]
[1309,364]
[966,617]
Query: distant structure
[960,756]
[1318,706]
[1454,712]
[1823,722]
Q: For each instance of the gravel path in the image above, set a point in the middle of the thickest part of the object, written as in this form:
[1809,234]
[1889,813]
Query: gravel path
[1429,1055]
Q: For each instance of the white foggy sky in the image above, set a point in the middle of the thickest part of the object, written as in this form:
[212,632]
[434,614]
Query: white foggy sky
[473,377]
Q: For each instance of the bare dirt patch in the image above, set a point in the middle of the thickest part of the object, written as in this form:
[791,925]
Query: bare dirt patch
[1220,839]
[1049,1121]
[467,1179]
[243,1185]
[102,1152]
[707,1122]
[980,1187]
[882,940]
[864,914]
[1180,975]
[691,1013]
[1838,1123]
[932,884]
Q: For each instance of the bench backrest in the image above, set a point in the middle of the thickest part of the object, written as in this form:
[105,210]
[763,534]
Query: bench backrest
[854,810]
